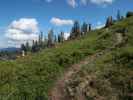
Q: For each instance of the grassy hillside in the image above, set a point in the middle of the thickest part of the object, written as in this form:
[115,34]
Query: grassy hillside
[31,77]
[111,76]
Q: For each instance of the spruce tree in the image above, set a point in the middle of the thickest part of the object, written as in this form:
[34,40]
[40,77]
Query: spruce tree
[27,46]
[23,47]
[84,28]
[109,22]
[35,46]
[40,40]
[50,38]
[89,28]
[129,14]
[40,37]
[118,15]
[62,36]
[75,32]
[59,38]
[55,39]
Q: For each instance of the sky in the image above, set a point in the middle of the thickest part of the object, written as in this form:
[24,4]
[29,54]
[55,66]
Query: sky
[22,20]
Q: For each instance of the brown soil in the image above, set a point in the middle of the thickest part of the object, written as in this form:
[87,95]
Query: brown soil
[58,92]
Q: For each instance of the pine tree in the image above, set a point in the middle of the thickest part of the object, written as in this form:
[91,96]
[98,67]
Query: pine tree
[23,47]
[62,36]
[55,39]
[89,28]
[129,14]
[27,46]
[84,28]
[35,46]
[118,15]
[75,32]
[109,22]
[59,38]
[50,38]
[41,40]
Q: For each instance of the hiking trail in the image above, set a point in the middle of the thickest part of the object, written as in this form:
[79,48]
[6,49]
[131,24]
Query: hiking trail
[58,92]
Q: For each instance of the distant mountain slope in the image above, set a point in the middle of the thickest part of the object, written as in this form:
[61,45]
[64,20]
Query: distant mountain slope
[109,77]
[10,49]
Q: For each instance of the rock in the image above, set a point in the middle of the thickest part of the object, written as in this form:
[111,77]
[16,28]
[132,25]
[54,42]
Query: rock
[70,91]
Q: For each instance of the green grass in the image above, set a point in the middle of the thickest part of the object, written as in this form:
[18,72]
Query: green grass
[111,80]
[31,77]
[112,74]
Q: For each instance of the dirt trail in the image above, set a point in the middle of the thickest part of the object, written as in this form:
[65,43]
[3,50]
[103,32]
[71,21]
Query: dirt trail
[58,91]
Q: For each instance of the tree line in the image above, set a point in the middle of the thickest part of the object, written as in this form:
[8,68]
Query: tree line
[77,31]
[52,39]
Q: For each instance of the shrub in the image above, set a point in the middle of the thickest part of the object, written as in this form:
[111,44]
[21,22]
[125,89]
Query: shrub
[129,14]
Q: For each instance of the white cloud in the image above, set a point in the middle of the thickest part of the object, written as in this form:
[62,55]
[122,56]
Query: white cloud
[42,1]
[72,3]
[99,25]
[102,2]
[22,30]
[66,35]
[75,3]
[61,22]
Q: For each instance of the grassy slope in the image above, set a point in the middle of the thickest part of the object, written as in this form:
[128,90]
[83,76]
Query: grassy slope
[111,76]
[30,78]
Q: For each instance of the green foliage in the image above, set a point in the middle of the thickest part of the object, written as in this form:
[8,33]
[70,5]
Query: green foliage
[124,56]
[109,21]
[31,77]
[61,37]
[76,31]
[50,38]
[84,28]
[129,14]
[109,76]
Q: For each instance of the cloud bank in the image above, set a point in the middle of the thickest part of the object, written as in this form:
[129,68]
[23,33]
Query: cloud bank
[99,25]
[61,22]
[75,3]
[101,2]
[22,30]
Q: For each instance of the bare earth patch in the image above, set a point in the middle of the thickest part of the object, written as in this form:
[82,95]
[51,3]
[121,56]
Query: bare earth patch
[58,92]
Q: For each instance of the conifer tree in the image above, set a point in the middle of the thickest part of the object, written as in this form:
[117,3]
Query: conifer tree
[35,46]
[109,22]
[59,38]
[84,28]
[89,28]
[118,15]
[75,32]
[62,36]
[50,38]
[129,14]
[40,40]
[55,39]
[23,47]
[27,46]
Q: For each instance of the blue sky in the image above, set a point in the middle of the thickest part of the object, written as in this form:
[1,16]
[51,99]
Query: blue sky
[20,20]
